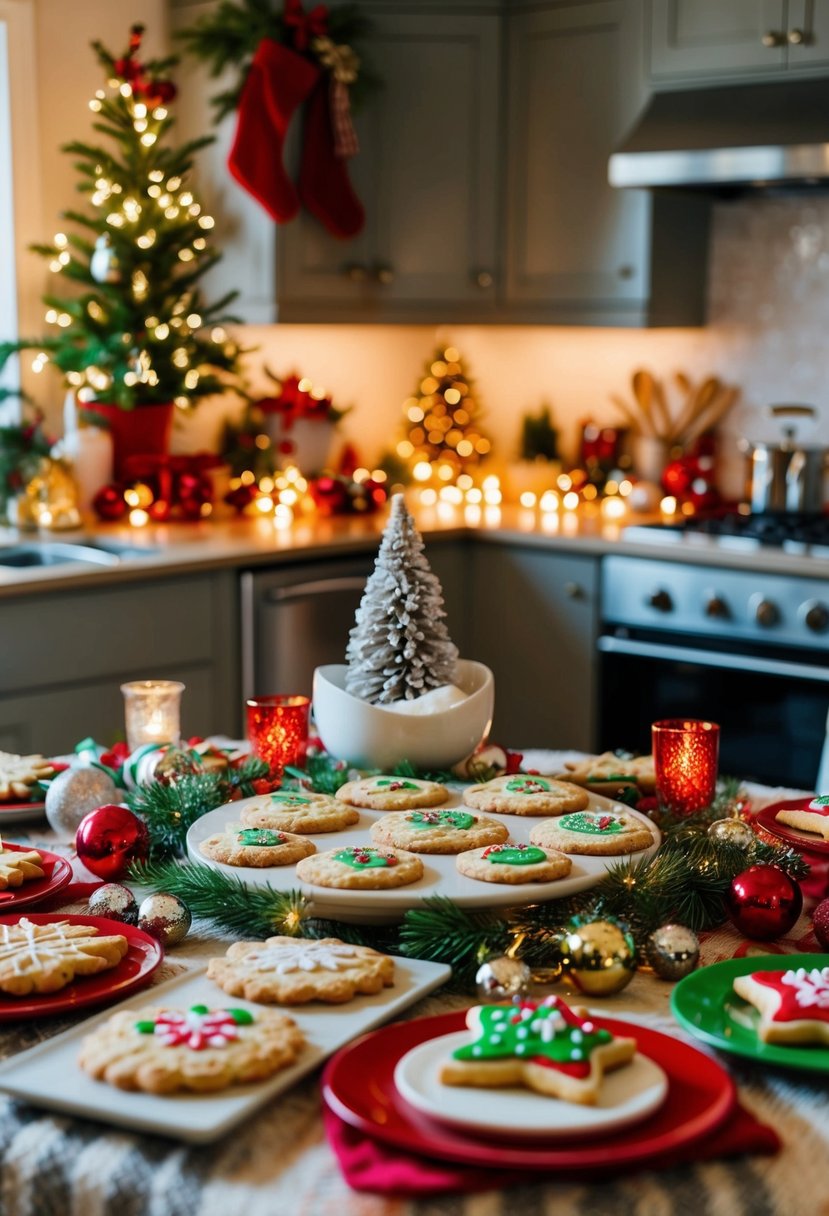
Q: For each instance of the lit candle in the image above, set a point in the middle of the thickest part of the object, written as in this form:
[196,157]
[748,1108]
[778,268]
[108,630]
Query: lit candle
[152,711]
[278,729]
[685,753]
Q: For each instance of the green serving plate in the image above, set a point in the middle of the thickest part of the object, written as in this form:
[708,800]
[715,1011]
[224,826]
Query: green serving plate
[705,1004]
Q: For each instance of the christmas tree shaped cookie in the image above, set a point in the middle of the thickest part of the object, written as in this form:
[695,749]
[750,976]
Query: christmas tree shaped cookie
[399,648]
[546,1046]
[793,1005]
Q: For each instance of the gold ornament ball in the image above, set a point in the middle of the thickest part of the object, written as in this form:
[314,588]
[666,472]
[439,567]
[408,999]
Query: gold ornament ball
[598,957]
[500,978]
[732,831]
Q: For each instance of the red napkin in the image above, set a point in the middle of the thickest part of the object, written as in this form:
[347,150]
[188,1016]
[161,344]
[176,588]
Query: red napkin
[370,1165]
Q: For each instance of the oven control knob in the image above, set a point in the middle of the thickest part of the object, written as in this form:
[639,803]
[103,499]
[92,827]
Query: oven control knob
[766,613]
[816,616]
[661,601]
[717,607]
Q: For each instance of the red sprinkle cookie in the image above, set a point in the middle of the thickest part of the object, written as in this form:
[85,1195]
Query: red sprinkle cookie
[794,1005]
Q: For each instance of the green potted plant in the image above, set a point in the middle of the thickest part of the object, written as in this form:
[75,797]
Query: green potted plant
[133,335]
[538,464]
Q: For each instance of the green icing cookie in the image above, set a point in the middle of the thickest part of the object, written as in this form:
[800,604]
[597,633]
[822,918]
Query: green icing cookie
[513,854]
[548,1033]
[592,823]
[527,785]
[365,858]
[290,800]
[441,819]
[392,784]
[260,838]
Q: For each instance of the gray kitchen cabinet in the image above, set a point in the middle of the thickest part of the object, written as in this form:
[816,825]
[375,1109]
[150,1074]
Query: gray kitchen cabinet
[298,617]
[65,656]
[534,622]
[693,41]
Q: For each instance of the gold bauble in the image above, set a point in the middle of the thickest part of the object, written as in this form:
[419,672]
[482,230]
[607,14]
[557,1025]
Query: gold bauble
[50,499]
[598,957]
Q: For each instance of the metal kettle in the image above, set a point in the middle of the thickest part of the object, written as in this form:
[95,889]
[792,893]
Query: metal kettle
[786,476]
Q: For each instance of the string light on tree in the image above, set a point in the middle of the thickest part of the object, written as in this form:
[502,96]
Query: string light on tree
[443,438]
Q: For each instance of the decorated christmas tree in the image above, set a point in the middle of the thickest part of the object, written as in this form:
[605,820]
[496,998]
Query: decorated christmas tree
[133,329]
[400,647]
[443,436]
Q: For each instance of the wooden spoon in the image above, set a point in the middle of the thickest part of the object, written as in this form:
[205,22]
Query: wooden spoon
[711,417]
[696,403]
[643,393]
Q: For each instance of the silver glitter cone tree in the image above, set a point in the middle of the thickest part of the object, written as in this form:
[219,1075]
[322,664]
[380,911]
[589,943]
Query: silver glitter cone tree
[400,647]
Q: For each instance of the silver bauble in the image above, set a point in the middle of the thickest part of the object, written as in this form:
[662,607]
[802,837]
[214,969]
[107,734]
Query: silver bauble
[74,793]
[672,951]
[732,831]
[165,918]
[500,978]
[114,901]
[598,957]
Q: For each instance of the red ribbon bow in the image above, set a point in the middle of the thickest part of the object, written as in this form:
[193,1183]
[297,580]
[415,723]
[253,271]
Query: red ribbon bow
[305,26]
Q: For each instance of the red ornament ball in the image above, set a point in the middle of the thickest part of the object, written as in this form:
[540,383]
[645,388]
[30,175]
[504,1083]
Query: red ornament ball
[820,924]
[109,839]
[109,503]
[763,902]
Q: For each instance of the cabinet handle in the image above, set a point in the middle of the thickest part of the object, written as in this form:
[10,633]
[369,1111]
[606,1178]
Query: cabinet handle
[485,279]
[384,275]
[773,38]
[797,37]
[355,273]
[574,591]
[302,591]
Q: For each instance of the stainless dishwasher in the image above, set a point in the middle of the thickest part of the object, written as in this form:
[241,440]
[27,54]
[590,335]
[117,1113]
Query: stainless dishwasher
[295,619]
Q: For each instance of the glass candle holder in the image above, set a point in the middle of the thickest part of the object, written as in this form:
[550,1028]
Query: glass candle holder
[278,729]
[152,710]
[685,753]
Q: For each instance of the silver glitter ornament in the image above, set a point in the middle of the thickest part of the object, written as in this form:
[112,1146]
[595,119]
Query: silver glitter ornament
[165,918]
[116,902]
[74,793]
[500,978]
[732,831]
[672,951]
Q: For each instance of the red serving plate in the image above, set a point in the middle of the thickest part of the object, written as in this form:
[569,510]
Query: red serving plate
[144,955]
[58,874]
[808,841]
[358,1085]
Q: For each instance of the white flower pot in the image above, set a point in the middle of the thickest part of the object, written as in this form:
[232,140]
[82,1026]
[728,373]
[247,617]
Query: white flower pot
[311,442]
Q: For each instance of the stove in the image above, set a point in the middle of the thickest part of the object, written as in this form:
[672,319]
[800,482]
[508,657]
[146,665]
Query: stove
[791,532]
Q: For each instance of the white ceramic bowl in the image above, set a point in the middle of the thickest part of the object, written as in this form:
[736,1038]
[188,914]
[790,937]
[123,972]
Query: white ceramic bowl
[370,736]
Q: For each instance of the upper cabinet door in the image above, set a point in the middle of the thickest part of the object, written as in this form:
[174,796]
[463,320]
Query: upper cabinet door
[808,33]
[427,174]
[577,248]
[696,38]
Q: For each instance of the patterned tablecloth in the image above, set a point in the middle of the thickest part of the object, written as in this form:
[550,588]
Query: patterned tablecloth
[279,1163]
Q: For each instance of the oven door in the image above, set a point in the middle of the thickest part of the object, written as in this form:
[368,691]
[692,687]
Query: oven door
[771,705]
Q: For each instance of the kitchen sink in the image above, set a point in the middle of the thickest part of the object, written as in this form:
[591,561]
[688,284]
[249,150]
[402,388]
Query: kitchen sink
[60,553]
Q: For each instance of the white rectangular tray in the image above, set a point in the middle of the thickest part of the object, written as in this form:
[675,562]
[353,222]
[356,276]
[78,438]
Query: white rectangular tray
[48,1075]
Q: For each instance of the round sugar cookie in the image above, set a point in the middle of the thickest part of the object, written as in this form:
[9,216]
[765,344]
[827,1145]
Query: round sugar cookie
[513,863]
[523,794]
[392,793]
[438,831]
[295,970]
[241,846]
[593,833]
[298,811]
[361,867]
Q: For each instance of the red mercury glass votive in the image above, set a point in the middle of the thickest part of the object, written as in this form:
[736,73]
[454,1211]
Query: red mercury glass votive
[278,729]
[685,753]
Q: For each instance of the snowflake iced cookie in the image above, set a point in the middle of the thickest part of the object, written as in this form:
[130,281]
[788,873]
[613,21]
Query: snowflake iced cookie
[593,833]
[545,1046]
[164,1050]
[513,863]
[19,773]
[606,771]
[813,816]
[361,867]
[437,831]
[241,846]
[526,795]
[793,1005]
[298,812]
[45,958]
[17,867]
[294,970]
[392,793]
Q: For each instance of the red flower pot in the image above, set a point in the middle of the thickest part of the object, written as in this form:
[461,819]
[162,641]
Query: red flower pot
[143,431]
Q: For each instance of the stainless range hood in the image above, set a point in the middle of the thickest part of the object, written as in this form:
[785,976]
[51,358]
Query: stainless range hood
[731,137]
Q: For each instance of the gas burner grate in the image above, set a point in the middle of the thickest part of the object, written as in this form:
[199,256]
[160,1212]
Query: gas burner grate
[770,529]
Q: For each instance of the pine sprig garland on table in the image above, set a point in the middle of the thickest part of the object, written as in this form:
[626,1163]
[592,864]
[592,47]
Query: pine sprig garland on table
[225,900]
[169,809]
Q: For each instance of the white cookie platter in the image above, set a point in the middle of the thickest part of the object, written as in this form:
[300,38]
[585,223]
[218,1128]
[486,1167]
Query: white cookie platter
[440,875]
[48,1075]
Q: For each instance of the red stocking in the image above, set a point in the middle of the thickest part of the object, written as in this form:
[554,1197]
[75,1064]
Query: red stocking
[323,176]
[278,82]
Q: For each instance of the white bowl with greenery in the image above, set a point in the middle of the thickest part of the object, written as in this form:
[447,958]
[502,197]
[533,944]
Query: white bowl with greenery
[375,736]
